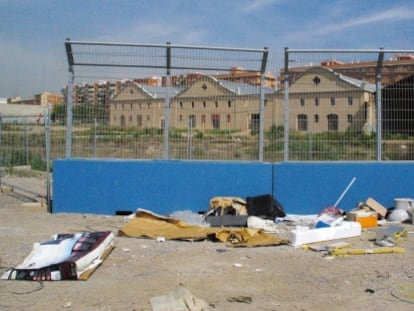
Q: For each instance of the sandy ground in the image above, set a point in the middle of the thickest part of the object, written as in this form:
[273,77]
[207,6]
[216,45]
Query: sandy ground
[261,278]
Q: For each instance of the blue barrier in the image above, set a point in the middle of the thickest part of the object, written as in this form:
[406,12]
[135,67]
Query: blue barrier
[305,188]
[107,186]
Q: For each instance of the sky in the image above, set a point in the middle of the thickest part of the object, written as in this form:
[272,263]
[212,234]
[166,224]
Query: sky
[32,33]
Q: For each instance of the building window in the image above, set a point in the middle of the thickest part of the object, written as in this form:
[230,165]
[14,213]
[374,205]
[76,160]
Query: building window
[192,121]
[216,104]
[350,101]
[228,118]
[349,118]
[229,104]
[332,122]
[215,120]
[181,105]
[265,102]
[204,104]
[192,104]
[332,101]
[365,110]
[203,118]
[302,102]
[302,122]
[254,122]
[139,120]
[122,120]
[130,119]
[316,101]
[148,105]
[148,118]
[316,118]
[180,118]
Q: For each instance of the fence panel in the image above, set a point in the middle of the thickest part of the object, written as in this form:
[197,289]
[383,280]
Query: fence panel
[348,105]
[236,104]
[191,91]
[25,151]
[22,142]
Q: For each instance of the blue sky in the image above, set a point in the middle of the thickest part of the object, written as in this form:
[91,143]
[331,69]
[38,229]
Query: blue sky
[32,34]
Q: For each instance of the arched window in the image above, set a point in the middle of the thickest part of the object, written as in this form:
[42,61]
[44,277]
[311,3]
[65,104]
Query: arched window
[122,120]
[302,122]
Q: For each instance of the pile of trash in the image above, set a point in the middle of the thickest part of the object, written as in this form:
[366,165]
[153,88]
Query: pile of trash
[262,221]
[251,222]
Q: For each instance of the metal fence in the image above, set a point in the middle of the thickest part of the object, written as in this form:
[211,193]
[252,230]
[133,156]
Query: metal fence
[189,91]
[348,104]
[188,102]
[211,103]
[25,145]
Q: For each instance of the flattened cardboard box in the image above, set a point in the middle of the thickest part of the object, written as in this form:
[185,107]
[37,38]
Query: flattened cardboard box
[375,206]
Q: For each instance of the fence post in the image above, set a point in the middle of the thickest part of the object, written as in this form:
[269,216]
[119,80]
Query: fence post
[286,108]
[26,141]
[262,100]
[378,104]
[95,128]
[47,138]
[69,100]
[167,103]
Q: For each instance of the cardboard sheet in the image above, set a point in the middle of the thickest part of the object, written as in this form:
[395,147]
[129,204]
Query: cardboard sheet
[150,225]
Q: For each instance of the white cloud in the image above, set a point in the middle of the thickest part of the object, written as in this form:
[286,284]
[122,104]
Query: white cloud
[394,14]
[322,32]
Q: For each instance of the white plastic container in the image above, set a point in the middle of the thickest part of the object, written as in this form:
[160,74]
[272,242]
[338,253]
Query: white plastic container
[305,235]
[405,204]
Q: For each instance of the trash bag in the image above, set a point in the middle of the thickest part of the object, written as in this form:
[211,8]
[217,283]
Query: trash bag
[264,206]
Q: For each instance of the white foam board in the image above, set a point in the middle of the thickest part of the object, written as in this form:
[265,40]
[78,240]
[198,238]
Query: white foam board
[305,235]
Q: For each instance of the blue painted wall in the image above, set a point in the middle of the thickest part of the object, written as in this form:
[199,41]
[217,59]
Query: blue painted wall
[310,187]
[106,186]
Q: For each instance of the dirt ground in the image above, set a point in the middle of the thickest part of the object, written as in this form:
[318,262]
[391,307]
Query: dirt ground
[260,278]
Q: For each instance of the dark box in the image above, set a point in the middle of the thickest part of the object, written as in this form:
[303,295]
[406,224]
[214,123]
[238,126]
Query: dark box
[227,221]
